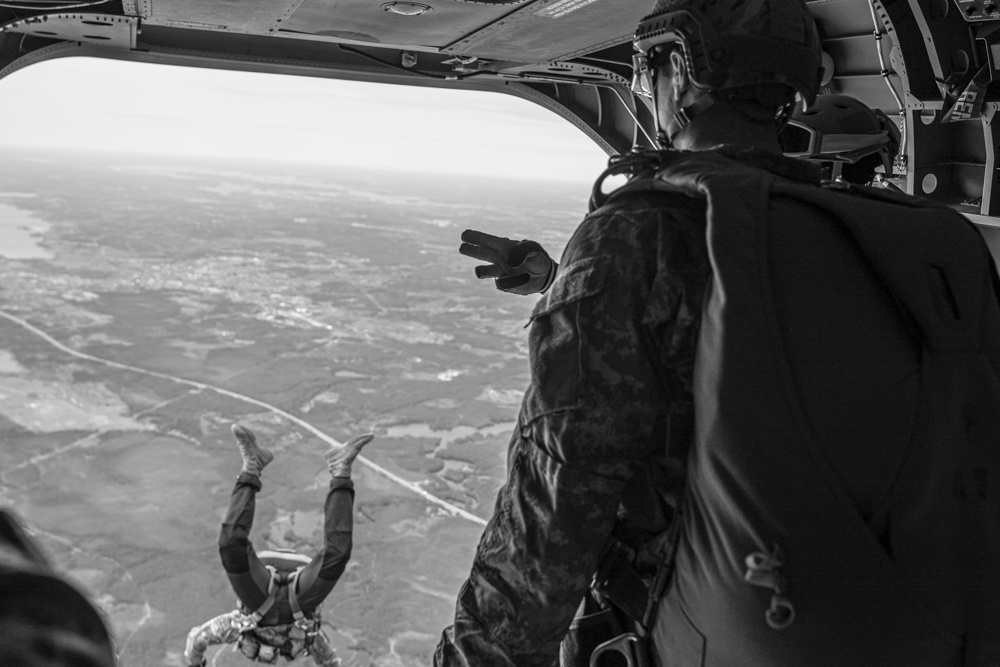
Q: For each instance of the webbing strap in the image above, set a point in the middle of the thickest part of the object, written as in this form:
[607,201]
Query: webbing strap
[616,581]
[293,597]
[273,584]
[272,590]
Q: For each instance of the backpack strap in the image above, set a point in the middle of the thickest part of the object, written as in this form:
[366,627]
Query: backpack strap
[618,582]
[293,596]
[273,584]
[994,277]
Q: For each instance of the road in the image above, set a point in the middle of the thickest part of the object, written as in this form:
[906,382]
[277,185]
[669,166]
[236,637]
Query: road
[396,479]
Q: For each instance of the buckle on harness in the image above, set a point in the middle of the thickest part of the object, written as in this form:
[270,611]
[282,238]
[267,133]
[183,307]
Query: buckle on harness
[763,569]
[629,646]
[247,622]
[308,627]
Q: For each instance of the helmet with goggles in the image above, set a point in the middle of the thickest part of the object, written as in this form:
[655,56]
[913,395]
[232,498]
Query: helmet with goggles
[844,133]
[730,44]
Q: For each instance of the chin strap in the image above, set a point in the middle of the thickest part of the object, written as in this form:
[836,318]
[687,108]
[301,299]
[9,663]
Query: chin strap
[683,117]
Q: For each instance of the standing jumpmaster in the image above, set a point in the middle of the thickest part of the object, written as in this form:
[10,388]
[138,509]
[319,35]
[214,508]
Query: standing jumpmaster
[763,422]
[280,592]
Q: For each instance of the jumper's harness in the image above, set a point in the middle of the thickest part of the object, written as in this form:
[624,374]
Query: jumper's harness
[274,584]
[290,640]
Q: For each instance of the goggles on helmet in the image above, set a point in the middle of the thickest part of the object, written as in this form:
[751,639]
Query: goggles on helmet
[719,61]
[798,139]
[642,76]
[653,31]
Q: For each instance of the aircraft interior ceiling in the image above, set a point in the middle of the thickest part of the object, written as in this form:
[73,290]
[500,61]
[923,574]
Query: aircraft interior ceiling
[926,63]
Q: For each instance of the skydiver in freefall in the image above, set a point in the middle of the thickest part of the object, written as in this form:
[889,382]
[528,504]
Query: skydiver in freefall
[280,592]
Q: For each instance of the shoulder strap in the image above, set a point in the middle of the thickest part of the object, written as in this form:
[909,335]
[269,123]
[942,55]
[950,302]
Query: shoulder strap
[640,167]
[293,596]
[274,583]
[272,589]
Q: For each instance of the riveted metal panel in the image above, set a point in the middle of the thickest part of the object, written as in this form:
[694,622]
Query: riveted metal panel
[367,21]
[116,32]
[140,8]
[554,30]
[258,17]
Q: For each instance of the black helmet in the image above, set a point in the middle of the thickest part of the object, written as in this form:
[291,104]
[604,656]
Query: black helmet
[839,128]
[734,43]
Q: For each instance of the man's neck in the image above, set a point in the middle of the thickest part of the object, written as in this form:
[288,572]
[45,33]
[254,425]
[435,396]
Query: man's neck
[722,124]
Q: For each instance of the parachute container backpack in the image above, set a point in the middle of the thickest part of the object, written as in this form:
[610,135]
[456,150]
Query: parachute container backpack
[776,565]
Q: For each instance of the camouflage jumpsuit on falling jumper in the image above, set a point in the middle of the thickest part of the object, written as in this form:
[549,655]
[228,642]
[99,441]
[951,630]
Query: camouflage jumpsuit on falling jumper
[250,583]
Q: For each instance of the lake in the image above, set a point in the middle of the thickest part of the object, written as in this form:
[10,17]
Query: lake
[20,234]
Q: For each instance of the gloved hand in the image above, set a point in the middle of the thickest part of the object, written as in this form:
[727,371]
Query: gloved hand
[520,267]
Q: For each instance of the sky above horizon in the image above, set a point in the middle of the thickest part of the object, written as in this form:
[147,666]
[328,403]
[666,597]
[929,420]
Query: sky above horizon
[89,104]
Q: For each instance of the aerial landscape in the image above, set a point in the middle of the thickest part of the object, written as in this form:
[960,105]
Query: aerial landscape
[147,304]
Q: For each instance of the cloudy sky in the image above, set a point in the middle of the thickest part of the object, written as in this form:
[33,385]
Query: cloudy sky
[94,104]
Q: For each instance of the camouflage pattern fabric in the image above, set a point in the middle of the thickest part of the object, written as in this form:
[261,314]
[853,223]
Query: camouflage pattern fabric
[291,640]
[227,629]
[322,651]
[223,629]
[611,348]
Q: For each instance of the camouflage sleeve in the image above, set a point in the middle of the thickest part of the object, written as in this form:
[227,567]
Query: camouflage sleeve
[223,629]
[322,651]
[587,422]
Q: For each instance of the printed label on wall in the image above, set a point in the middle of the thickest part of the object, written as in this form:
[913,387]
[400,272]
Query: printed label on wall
[563,7]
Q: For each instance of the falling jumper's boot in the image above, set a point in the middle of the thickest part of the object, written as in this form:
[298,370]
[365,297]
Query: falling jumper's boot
[339,460]
[255,457]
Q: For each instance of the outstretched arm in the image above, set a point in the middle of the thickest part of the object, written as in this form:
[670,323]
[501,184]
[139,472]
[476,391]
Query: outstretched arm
[223,629]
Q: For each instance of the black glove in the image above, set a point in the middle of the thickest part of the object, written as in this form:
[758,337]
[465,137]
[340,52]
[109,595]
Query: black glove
[520,267]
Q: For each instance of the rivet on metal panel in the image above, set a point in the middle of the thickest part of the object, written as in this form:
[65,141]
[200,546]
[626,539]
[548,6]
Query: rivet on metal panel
[912,102]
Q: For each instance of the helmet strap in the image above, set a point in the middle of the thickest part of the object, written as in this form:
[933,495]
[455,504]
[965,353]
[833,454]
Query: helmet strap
[683,117]
[662,142]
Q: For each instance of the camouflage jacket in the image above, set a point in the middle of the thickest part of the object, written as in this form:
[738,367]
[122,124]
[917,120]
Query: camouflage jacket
[237,627]
[612,348]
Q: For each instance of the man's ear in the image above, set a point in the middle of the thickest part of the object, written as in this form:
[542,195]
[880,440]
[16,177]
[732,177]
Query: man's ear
[678,75]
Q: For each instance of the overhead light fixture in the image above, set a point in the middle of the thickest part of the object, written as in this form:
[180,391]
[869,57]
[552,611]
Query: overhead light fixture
[406,8]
